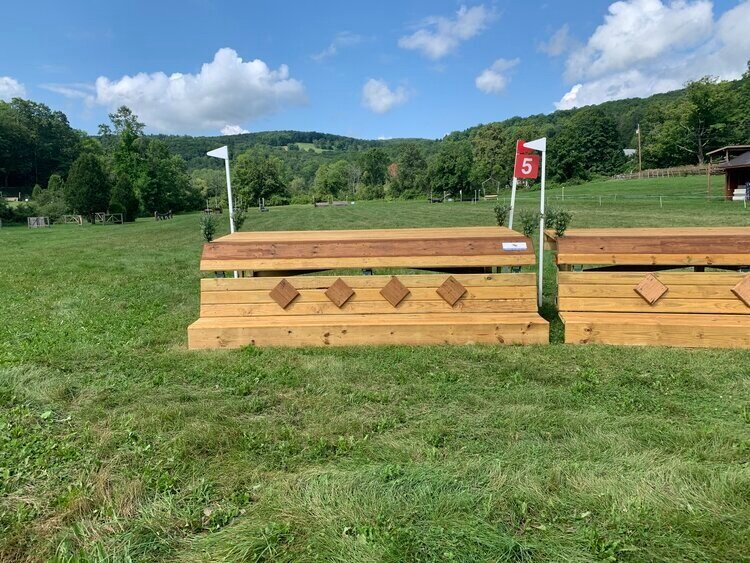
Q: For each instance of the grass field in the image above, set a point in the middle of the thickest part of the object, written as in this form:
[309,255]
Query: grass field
[307,147]
[117,444]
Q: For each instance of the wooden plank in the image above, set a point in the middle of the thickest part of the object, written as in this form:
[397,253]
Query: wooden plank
[656,259]
[361,282]
[723,244]
[665,305]
[353,306]
[730,322]
[620,232]
[367,262]
[373,294]
[355,330]
[371,234]
[361,319]
[676,291]
[720,331]
[363,248]
[667,278]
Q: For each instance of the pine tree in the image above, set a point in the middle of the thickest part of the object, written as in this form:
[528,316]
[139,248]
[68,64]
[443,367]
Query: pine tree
[123,199]
[87,190]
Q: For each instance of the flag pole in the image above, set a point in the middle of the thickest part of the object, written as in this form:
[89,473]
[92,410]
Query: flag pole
[541,228]
[223,153]
[640,160]
[512,202]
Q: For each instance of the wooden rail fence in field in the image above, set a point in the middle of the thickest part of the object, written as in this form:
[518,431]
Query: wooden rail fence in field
[696,170]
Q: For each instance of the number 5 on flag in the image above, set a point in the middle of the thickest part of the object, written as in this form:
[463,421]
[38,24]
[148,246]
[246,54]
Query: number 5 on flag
[527,166]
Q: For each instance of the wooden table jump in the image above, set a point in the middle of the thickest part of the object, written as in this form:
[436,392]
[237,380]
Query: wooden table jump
[273,307]
[637,289]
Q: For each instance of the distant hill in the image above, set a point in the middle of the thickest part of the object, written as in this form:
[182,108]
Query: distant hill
[324,145]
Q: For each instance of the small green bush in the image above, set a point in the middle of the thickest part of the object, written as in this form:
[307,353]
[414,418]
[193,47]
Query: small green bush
[558,219]
[277,200]
[239,218]
[529,222]
[208,226]
[300,199]
[502,212]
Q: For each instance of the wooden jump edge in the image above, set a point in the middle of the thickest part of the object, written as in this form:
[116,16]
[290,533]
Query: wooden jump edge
[376,330]
[682,330]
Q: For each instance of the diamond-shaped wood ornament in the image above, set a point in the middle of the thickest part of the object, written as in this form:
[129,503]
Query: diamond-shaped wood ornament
[651,289]
[339,293]
[394,291]
[284,293]
[451,291]
[742,290]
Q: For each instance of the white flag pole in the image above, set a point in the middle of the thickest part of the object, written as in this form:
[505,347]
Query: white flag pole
[541,229]
[541,146]
[223,153]
[229,195]
[512,201]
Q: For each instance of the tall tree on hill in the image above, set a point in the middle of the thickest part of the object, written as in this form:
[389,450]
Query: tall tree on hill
[87,190]
[450,169]
[702,116]
[35,142]
[126,150]
[374,163]
[123,199]
[51,201]
[586,145]
[165,184]
[257,175]
[332,180]
[411,173]
[492,158]
[15,143]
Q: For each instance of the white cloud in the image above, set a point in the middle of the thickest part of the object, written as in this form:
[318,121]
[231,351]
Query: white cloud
[233,130]
[75,90]
[225,91]
[378,97]
[438,35]
[493,80]
[343,39]
[636,31]
[628,84]
[11,88]
[559,43]
[648,46]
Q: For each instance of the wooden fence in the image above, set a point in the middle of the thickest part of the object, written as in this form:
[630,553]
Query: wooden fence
[698,170]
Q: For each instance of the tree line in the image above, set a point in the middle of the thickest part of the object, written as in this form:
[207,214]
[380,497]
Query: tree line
[123,170]
[119,171]
[678,128]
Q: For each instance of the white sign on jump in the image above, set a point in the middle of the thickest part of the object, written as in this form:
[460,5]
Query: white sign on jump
[514,246]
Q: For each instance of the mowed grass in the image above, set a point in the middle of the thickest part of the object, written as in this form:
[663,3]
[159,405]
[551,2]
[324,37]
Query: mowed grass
[118,444]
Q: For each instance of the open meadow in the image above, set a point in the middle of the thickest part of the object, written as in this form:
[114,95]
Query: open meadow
[118,444]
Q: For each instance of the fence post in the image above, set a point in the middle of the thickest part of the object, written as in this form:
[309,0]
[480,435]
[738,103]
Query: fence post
[600,201]
[660,202]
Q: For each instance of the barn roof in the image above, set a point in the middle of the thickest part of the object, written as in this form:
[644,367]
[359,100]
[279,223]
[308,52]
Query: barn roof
[741,161]
[730,148]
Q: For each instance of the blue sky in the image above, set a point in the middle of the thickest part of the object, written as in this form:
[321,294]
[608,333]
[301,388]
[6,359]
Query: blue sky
[364,69]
